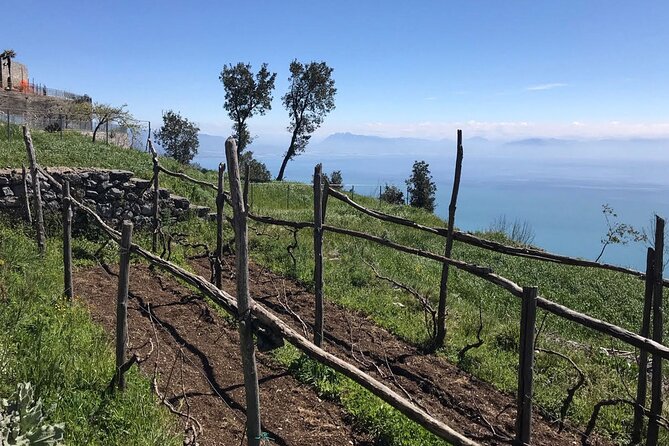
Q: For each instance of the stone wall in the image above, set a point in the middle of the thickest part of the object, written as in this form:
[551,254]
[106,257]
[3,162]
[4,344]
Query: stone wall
[18,103]
[116,195]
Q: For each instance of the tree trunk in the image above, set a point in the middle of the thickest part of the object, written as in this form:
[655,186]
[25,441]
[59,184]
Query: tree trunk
[289,154]
[241,143]
[283,168]
[97,127]
[9,69]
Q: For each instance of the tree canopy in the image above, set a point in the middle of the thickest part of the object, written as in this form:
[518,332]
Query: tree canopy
[103,114]
[178,136]
[245,96]
[309,98]
[420,187]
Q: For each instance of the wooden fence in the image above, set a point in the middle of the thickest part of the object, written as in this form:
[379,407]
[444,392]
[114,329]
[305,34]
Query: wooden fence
[253,316]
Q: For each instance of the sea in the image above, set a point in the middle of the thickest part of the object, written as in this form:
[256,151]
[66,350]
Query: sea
[558,190]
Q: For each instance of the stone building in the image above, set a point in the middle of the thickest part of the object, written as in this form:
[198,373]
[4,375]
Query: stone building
[19,74]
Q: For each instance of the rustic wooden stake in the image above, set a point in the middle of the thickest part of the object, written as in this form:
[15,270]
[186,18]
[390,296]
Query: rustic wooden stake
[642,383]
[220,202]
[67,240]
[656,377]
[37,192]
[244,303]
[528,318]
[156,187]
[122,302]
[318,254]
[443,287]
[26,195]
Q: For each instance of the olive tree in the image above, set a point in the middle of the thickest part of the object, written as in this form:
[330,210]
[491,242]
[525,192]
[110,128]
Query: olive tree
[309,98]
[178,136]
[103,114]
[246,94]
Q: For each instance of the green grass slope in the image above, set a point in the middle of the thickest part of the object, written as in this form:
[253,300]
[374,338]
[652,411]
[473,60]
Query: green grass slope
[613,297]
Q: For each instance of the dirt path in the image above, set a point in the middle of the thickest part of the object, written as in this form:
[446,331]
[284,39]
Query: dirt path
[196,353]
[470,405]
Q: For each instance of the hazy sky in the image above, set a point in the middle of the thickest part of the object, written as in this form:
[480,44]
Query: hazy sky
[422,68]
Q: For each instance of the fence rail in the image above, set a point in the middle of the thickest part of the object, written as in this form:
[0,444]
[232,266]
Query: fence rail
[260,317]
[37,89]
[59,121]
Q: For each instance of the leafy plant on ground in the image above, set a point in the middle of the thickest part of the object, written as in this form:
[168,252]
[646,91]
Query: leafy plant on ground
[22,420]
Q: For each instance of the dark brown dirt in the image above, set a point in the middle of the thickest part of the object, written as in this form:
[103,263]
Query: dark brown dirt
[471,406]
[196,354]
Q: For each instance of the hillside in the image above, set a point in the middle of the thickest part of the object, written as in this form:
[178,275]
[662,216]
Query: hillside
[351,282]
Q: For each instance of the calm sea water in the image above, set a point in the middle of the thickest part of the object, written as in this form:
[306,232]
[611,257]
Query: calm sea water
[560,198]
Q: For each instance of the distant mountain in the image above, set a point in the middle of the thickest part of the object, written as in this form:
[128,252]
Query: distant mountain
[536,142]
[350,144]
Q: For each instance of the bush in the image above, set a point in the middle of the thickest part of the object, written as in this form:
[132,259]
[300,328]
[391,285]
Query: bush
[420,187]
[54,127]
[258,171]
[336,180]
[392,194]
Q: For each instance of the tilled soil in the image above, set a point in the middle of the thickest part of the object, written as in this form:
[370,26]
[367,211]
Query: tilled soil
[196,354]
[471,406]
[193,351]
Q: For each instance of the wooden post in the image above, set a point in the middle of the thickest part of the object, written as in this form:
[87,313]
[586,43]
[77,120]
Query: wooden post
[26,196]
[528,318]
[443,287]
[67,240]
[318,254]
[244,303]
[220,202]
[156,187]
[122,302]
[656,377]
[37,192]
[642,382]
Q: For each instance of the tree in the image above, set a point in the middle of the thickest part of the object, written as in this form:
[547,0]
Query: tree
[420,187]
[104,114]
[309,98]
[246,96]
[178,136]
[392,194]
[336,179]
[8,55]
[258,172]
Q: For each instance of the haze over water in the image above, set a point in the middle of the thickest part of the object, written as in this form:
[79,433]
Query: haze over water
[558,187]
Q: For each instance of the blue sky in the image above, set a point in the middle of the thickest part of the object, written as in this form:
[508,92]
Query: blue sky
[422,69]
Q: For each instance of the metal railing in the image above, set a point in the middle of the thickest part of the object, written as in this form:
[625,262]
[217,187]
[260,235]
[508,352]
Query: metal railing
[37,89]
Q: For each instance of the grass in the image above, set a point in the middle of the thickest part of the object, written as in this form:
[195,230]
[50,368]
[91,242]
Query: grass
[613,297]
[54,345]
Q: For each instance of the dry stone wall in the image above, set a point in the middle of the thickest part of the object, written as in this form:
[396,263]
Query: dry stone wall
[116,195]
